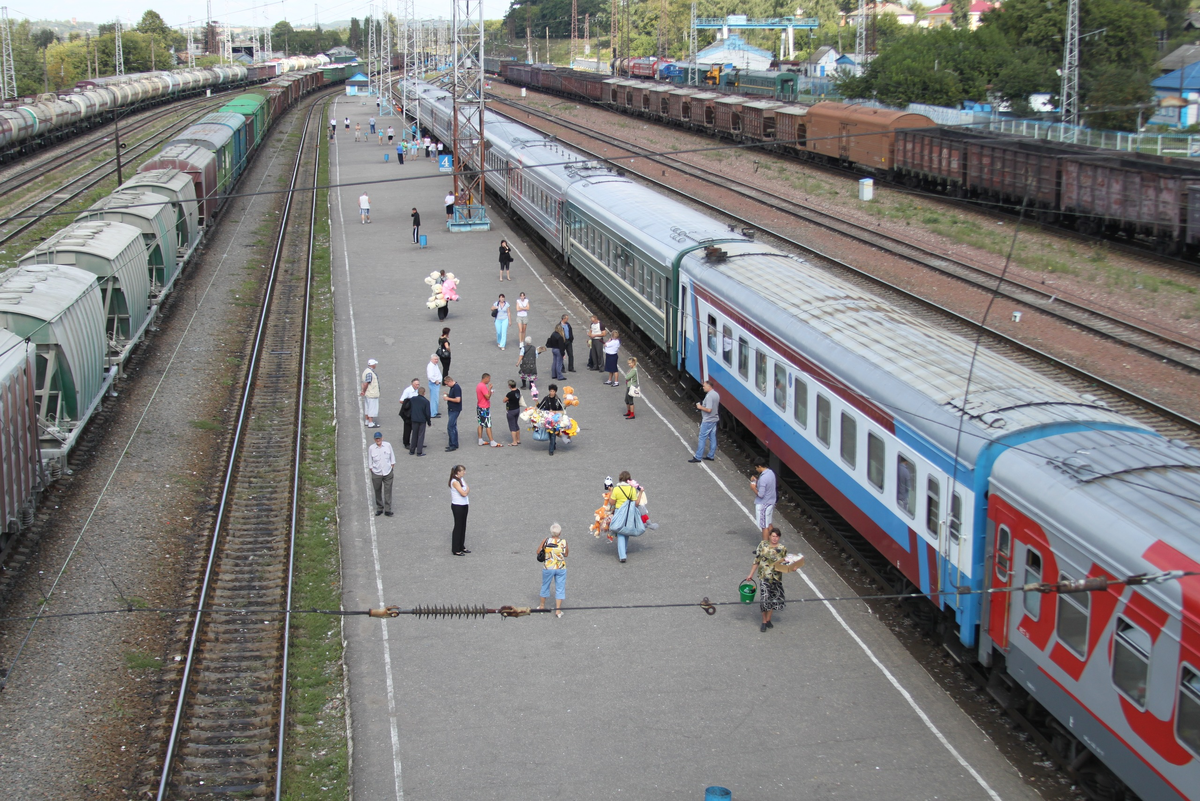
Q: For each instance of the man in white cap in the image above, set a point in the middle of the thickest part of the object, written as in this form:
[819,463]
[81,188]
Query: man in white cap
[433,373]
[370,393]
[382,459]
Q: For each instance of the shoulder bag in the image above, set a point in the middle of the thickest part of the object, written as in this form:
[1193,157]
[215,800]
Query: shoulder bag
[495,312]
[626,521]
[541,554]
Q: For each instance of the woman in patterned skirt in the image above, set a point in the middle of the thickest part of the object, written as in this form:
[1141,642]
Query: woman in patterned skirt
[768,557]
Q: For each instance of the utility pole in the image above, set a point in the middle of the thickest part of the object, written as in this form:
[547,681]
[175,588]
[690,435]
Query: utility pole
[209,44]
[528,45]
[119,56]
[587,35]
[693,71]
[548,45]
[1069,96]
[191,46]
[613,27]
[470,213]
[664,13]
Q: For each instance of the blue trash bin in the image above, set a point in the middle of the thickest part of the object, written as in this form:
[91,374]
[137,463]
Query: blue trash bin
[717,794]
[424,241]
[386,156]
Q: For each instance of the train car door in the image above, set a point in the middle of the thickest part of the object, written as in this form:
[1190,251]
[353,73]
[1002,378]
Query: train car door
[1000,579]
[844,139]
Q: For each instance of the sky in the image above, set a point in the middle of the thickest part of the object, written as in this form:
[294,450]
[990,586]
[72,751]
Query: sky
[177,13]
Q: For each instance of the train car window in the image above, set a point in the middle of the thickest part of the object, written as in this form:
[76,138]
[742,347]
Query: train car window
[849,440]
[726,338]
[906,478]
[1072,627]
[658,304]
[823,415]
[780,386]
[800,403]
[875,461]
[1003,553]
[712,333]
[955,517]
[933,504]
[1187,723]
[1033,575]
[760,371]
[744,357]
[1130,660]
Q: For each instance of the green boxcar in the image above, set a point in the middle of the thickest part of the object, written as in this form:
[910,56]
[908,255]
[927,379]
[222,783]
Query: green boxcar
[254,106]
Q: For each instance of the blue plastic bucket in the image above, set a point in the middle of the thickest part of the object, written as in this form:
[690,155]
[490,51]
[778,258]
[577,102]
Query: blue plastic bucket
[386,155]
[424,241]
[717,794]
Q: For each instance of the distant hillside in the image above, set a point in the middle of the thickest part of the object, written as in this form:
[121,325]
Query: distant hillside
[64,28]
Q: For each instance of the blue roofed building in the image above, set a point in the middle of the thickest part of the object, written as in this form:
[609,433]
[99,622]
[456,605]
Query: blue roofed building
[1181,84]
[736,51]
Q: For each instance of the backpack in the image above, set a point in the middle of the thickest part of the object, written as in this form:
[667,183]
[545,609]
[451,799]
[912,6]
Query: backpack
[626,521]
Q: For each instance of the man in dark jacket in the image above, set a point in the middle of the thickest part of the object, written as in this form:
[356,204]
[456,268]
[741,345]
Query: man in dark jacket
[419,413]
[557,343]
[568,332]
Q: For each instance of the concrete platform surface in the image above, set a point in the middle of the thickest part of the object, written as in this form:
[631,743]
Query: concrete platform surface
[651,703]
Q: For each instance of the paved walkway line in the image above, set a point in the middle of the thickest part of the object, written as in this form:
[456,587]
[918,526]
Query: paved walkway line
[929,724]
[383,623]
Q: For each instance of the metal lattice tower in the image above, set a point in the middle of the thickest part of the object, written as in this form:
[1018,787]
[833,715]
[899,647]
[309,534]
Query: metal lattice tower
[227,46]
[413,62]
[9,68]
[574,29]
[191,47]
[267,49]
[664,13]
[467,54]
[119,55]
[1069,98]
[386,107]
[693,48]
[614,25]
[372,62]
[860,39]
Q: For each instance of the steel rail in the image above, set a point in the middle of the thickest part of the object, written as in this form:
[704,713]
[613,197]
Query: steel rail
[230,471]
[1169,415]
[1135,335]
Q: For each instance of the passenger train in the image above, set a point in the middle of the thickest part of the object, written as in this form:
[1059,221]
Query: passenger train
[73,308]
[1021,481]
[27,124]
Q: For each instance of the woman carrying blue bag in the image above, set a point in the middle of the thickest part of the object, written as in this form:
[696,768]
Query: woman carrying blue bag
[626,519]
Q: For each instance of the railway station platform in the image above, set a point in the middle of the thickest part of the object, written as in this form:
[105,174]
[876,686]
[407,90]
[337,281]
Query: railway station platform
[638,703]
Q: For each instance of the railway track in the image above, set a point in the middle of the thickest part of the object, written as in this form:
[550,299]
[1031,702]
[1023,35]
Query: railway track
[226,738]
[1180,351]
[31,214]
[1128,401]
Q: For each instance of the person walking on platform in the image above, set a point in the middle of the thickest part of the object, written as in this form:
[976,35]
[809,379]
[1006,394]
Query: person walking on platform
[627,491]
[512,411]
[380,133]
[505,260]
[381,459]
[406,398]
[364,208]
[370,393]
[453,409]
[527,364]
[611,348]
[419,417]
[554,568]
[439,149]
[557,345]
[449,205]
[371,122]
[400,153]
[391,133]
[551,403]
[433,374]
[483,410]
[768,557]
[416,218]
[500,312]
[708,409]
[568,333]
[358,137]
[522,316]
[443,351]
[596,344]
[459,506]
[347,123]
[763,485]
[632,387]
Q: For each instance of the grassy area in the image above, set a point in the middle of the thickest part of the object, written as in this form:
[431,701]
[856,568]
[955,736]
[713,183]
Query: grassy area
[316,755]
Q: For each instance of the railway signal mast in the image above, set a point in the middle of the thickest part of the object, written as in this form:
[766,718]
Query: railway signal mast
[470,214]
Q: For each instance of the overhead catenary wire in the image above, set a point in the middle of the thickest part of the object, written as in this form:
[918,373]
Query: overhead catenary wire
[1091,584]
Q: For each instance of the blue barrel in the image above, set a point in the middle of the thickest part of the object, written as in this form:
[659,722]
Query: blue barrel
[717,794]
[386,156]
[424,241]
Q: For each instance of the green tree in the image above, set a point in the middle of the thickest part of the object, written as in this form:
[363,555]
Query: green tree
[960,13]
[152,24]
[355,39]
